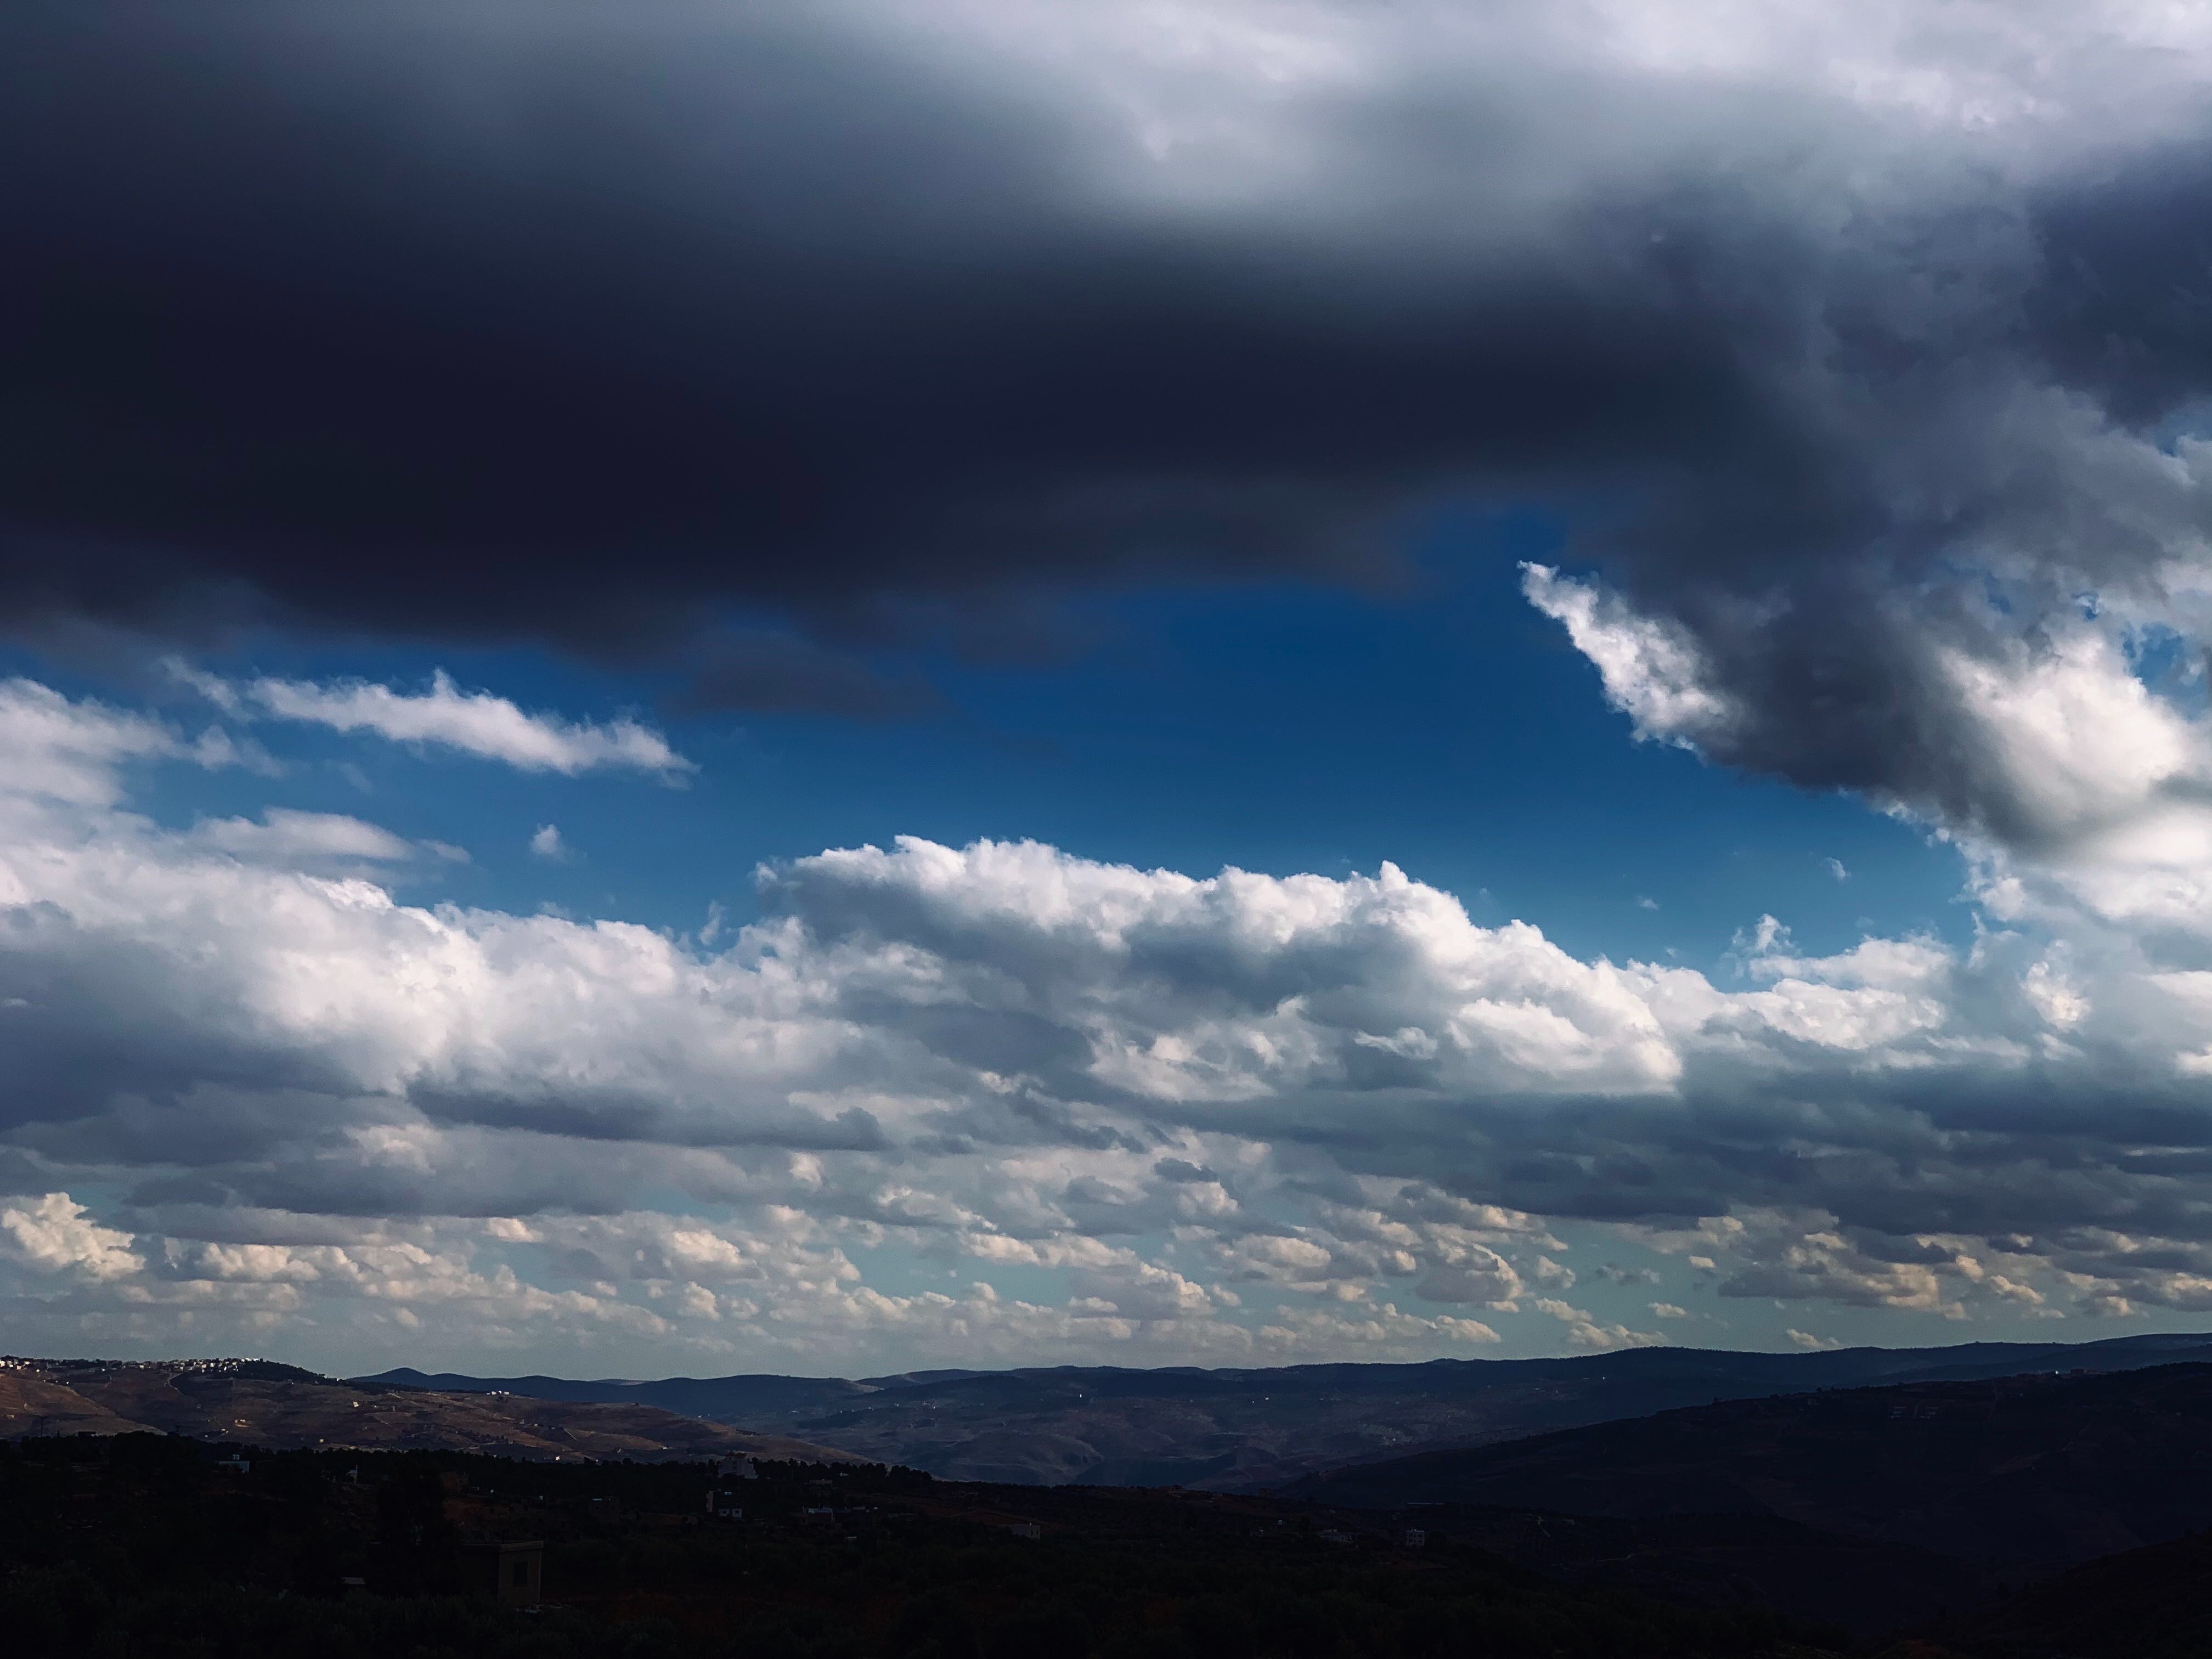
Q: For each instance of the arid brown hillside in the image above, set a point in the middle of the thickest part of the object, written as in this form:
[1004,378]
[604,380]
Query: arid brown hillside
[259,1403]
[31,1401]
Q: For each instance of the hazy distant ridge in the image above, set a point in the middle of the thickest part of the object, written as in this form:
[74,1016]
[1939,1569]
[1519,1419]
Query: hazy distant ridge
[258,1402]
[1237,1429]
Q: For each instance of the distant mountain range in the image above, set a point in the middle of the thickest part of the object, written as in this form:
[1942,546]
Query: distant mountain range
[258,1402]
[1241,1430]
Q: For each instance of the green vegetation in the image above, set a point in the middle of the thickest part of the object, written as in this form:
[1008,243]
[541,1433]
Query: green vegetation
[141,1548]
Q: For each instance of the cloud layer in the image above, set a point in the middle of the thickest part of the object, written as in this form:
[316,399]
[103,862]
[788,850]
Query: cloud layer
[1127,1112]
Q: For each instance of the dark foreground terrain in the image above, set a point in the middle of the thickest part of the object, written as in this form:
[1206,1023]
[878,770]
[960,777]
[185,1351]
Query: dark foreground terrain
[2153,1603]
[143,1545]
[1246,1430]
[2039,1471]
[1947,1515]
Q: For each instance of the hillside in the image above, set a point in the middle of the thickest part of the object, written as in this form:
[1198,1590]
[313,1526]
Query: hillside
[2032,1469]
[261,1403]
[2151,1603]
[1244,1430]
[148,1547]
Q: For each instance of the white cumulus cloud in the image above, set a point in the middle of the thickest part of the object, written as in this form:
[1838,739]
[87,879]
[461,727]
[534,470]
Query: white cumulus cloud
[56,1234]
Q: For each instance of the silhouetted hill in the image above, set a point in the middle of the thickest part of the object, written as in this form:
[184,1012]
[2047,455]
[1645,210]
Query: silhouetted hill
[279,1406]
[1241,1430]
[2034,1468]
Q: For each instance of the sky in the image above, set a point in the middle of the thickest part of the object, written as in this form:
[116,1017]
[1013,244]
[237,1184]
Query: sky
[835,687]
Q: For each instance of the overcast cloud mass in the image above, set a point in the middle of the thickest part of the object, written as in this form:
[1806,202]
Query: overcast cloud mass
[1862,352]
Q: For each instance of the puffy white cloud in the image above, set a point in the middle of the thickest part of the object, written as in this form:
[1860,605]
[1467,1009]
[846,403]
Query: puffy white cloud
[1654,670]
[56,1234]
[2053,744]
[1238,987]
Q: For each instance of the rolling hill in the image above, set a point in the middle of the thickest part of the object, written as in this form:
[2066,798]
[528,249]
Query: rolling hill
[258,1402]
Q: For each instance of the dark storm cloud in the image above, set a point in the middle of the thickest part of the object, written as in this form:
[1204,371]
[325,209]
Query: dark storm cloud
[2124,307]
[751,338]
[591,330]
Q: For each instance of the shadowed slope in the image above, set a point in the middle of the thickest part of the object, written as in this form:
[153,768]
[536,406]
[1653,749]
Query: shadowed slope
[2030,1469]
